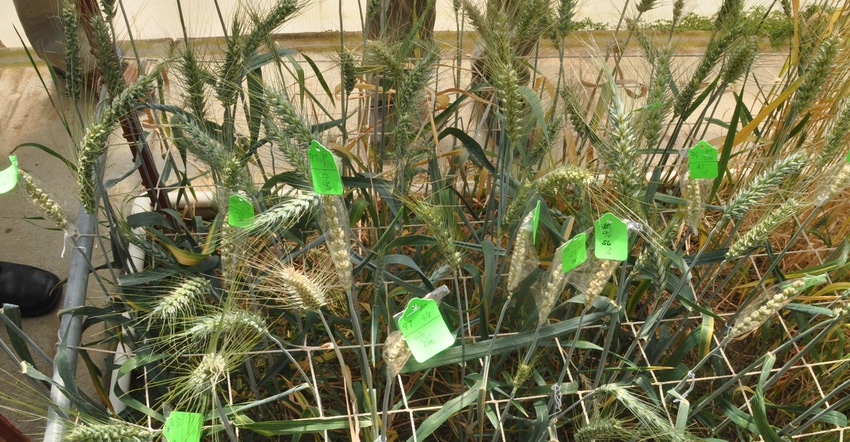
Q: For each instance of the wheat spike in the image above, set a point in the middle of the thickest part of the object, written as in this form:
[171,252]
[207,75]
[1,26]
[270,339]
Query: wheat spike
[284,214]
[603,429]
[646,413]
[524,257]
[552,286]
[238,324]
[73,61]
[620,152]
[763,228]
[212,368]
[114,431]
[739,61]
[440,223]
[180,302]
[294,288]
[597,283]
[333,218]
[289,130]
[815,74]
[763,184]
[93,144]
[751,320]
[834,183]
[46,205]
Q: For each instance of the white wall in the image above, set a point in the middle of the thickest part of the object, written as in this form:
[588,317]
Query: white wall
[160,19]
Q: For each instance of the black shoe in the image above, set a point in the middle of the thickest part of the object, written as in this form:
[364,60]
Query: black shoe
[36,291]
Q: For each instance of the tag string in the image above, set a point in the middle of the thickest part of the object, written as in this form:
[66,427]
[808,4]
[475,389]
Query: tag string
[692,380]
[556,393]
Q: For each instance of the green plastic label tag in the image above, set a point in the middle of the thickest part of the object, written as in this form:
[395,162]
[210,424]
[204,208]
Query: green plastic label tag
[183,427]
[575,252]
[702,161]
[612,238]
[241,212]
[848,157]
[326,179]
[535,220]
[9,175]
[424,330]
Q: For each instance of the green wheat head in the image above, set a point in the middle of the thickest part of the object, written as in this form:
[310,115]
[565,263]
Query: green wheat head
[73,59]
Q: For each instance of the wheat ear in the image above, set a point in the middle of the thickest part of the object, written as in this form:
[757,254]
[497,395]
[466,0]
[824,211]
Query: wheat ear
[524,257]
[786,293]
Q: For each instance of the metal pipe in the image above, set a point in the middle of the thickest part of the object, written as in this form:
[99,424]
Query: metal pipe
[70,326]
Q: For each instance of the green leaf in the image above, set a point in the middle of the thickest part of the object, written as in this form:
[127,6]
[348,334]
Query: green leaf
[808,309]
[477,154]
[700,98]
[257,107]
[257,61]
[238,408]
[137,163]
[319,77]
[325,125]
[149,275]
[13,329]
[830,417]
[148,219]
[728,144]
[488,249]
[709,257]
[652,187]
[405,261]
[96,377]
[68,384]
[536,109]
[449,409]
[682,349]
[291,178]
[298,426]
[706,332]
[449,111]
[299,74]
[767,365]
[767,432]
[71,166]
[12,317]
[839,259]
[127,367]
[541,410]
[503,344]
[356,211]
[682,416]
[737,416]
[758,404]
[369,182]
[412,240]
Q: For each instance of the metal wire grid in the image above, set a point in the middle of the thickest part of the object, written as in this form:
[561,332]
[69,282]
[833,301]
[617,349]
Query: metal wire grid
[413,414]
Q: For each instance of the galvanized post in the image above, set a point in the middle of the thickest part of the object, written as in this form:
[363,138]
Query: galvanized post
[70,326]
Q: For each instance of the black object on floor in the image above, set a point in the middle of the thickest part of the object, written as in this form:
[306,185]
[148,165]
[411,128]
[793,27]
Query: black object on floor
[36,291]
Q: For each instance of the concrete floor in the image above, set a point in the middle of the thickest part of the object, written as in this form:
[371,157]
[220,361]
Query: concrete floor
[28,116]
[33,113]
[154,19]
